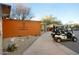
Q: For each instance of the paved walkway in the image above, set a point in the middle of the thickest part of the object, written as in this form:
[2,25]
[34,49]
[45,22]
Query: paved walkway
[45,45]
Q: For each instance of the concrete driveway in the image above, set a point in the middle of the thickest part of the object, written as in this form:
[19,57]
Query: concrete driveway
[45,45]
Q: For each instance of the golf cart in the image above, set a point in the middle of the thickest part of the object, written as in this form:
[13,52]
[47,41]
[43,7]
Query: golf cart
[61,35]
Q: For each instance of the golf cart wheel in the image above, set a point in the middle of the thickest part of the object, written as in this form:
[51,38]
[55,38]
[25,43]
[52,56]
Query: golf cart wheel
[74,39]
[58,40]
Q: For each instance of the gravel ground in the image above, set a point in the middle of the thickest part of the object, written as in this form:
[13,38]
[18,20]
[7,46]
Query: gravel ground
[22,43]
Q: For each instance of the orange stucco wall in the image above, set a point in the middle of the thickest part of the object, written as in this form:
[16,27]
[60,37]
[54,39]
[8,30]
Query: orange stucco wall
[12,28]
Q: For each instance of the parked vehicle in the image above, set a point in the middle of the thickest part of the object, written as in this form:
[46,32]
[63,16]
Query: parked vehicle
[61,35]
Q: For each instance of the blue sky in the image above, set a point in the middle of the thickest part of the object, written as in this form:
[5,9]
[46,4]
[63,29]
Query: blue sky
[64,12]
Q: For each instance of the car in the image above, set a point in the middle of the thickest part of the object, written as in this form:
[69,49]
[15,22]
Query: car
[62,35]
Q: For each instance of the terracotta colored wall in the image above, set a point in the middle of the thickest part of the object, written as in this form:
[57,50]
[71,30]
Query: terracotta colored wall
[13,28]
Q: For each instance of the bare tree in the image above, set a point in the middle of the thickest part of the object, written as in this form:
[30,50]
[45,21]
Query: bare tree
[22,12]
